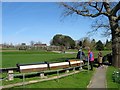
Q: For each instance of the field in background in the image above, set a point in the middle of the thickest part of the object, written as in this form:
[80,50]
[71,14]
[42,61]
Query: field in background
[11,58]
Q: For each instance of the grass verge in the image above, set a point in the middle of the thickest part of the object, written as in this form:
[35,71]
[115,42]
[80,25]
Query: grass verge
[80,80]
[110,83]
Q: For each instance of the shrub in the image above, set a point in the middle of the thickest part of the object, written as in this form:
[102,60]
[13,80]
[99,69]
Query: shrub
[116,76]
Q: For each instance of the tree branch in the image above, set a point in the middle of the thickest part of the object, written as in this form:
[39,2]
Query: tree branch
[83,12]
[107,7]
[118,18]
[98,9]
[115,9]
[95,6]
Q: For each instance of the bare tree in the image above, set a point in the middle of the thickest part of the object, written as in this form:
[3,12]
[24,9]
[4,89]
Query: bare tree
[32,43]
[110,10]
[86,42]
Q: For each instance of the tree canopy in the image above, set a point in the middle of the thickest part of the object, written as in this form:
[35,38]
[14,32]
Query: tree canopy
[99,45]
[63,40]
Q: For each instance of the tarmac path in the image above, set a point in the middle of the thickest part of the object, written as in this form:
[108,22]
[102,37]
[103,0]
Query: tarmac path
[99,78]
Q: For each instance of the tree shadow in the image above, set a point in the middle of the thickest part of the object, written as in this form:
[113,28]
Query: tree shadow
[63,59]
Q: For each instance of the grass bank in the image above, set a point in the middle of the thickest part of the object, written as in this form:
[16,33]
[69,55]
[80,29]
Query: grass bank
[110,83]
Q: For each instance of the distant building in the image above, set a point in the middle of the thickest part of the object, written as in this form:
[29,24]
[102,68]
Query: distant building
[40,45]
[54,48]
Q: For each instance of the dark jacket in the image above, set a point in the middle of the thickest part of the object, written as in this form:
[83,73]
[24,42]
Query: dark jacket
[78,54]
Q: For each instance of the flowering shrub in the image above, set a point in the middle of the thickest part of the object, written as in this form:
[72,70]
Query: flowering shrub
[116,76]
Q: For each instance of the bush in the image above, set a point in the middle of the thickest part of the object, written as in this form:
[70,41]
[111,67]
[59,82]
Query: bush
[116,76]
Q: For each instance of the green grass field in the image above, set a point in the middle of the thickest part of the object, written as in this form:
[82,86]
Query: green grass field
[10,59]
[80,80]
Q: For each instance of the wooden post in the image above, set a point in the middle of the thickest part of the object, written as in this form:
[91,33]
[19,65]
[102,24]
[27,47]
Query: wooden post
[58,75]
[42,75]
[10,75]
[74,69]
[74,72]
[80,68]
[67,71]
[88,63]
[23,80]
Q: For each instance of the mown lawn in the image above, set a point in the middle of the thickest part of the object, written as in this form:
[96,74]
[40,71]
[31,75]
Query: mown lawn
[110,83]
[10,59]
[80,80]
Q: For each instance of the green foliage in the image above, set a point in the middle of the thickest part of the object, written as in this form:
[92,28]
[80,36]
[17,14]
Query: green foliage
[80,43]
[99,45]
[86,42]
[62,40]
[93,44]
[108,45]
[116,76]
[109,75]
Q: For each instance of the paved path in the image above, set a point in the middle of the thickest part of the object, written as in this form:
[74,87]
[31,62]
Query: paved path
[99,78]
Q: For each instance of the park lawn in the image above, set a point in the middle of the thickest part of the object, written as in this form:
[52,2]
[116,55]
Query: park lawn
[80,80]
[10,59]
[110,83]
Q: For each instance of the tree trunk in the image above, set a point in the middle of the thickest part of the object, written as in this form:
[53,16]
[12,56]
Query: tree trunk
[115,42]
[116,51]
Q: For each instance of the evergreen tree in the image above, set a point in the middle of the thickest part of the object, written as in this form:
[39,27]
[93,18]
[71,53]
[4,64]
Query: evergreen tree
[99,45]
[108,45]
[93,44]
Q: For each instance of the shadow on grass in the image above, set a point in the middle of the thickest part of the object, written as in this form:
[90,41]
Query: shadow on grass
[61,60]
[46,73]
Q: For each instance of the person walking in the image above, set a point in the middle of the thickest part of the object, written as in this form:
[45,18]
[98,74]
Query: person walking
[100,57]
[90,58]
[80,54]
